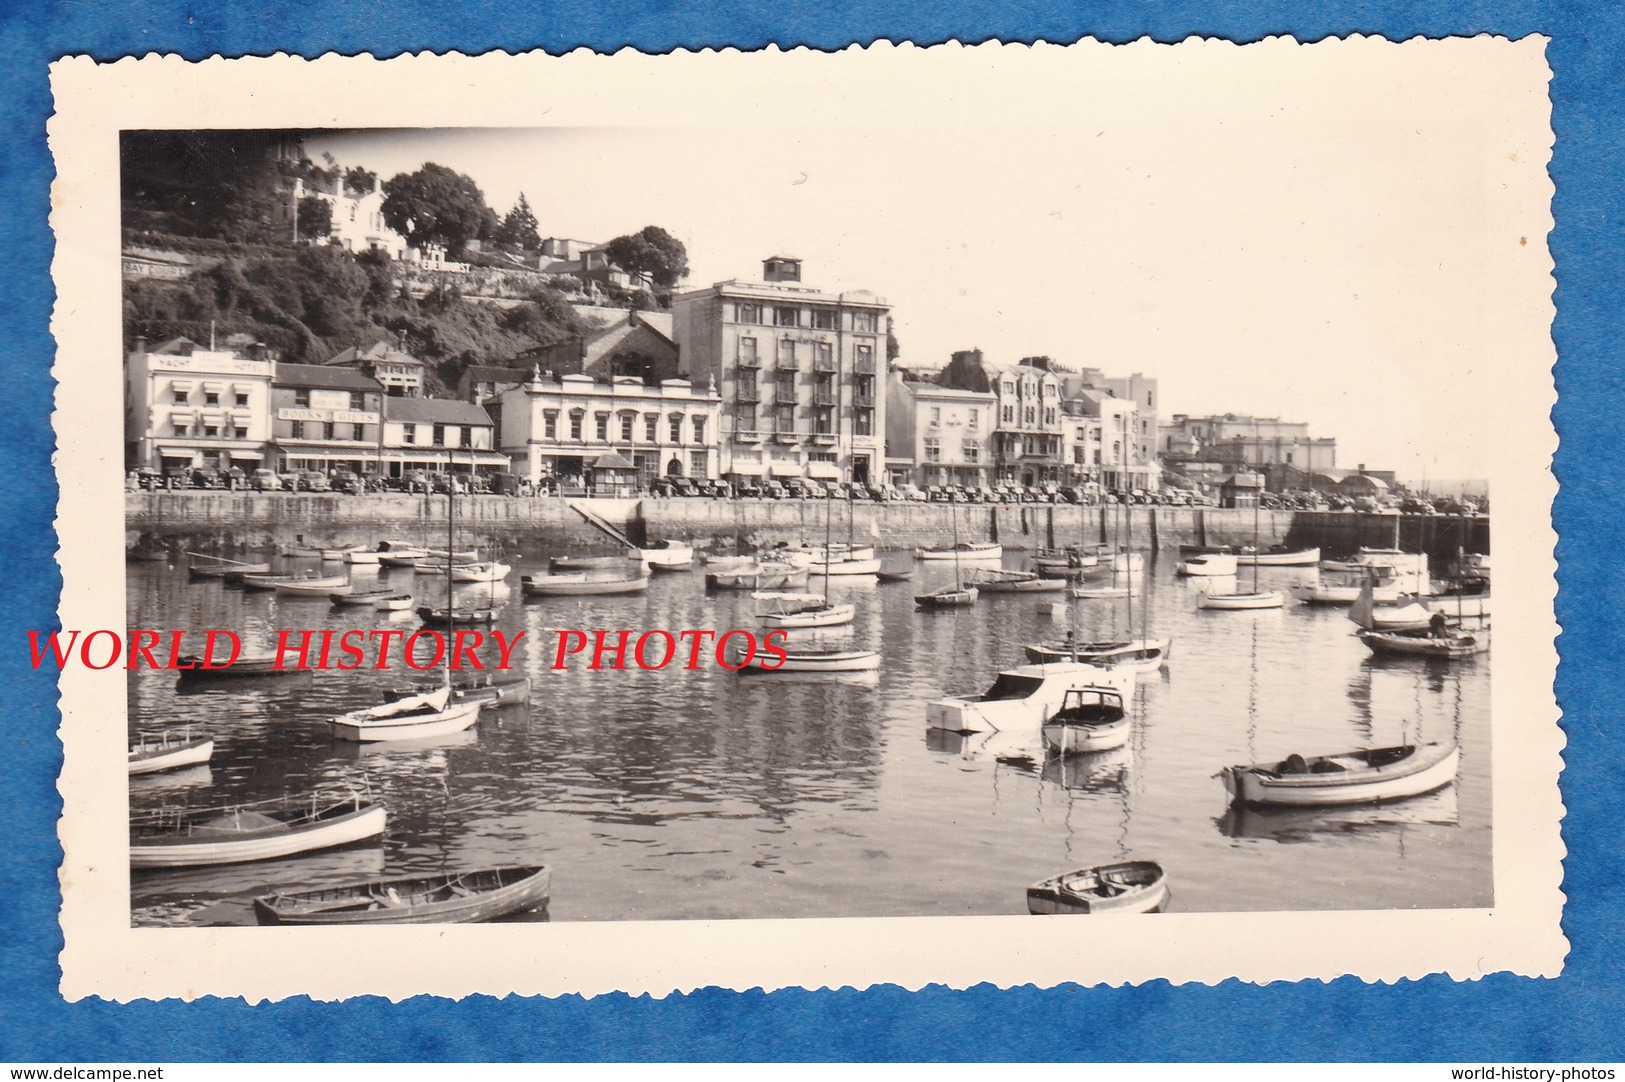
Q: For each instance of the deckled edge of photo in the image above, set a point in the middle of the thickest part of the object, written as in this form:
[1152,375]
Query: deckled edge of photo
[104,957]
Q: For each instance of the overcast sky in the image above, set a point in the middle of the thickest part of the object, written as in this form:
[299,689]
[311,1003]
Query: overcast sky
[1316,241]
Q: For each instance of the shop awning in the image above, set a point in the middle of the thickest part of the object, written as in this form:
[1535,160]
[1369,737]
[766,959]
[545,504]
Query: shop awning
[612,461]
[746,469]
[456,456]
[824,471]
[784,469]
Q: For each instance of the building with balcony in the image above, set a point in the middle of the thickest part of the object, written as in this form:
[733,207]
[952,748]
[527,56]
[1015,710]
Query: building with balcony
[1221,443]
[943,433]
[1028,435]
[561,428]
[357,218]
[189,406]
[397,371]
[799,372]
[441,435]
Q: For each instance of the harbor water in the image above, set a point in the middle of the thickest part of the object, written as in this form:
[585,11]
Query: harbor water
[710,794]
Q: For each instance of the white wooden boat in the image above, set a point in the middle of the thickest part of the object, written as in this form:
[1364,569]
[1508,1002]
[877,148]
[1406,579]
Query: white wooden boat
[951,598]
[376,555]
[1097,593]
[802,610]
[668,555]
[218,567]
[1278,556]
[148,755]
[1425,642]
[1090,719]
[393,603]
[1404,615]
[1128,563]
[814,661]
[411,718]
[1343,588]
[595,563]
[1263,599]
[1209,565]
[757,576]
[406,558]
[457,556]
[1068,559]
[489,571]
[581,584]
[467,897]
[337,555]
[324,586]
[990,581]
[1141,655]
[1397,560]
[843,565]
[837,551]
[964,550]
[1136,886]
[260,832]
[1349,777]
[302,552]
[1022,698]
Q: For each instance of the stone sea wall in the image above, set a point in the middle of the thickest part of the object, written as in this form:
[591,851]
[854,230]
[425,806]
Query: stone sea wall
[229,522]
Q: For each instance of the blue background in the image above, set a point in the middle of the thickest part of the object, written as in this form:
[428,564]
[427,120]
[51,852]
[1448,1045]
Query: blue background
[1571,1018]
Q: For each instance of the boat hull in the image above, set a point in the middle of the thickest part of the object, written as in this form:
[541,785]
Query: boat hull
[1140,887]
[454,719]
[463,898]
[542,587]
[1217,565]
[788,578]
[1431,766]
[1270,599]
[1070,738]
[150,760]
[1297,558]
[1399,643]
[190,851]
[830,616]
[969,714]
[1022,586]
[948,599]
[1141,655]
[843,661]
[969,553]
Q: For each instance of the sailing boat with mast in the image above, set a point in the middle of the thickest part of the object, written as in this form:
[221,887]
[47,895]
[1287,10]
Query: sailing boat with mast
[1256,599]
[961,594]
[1143,654]
[790,610]
[414,717]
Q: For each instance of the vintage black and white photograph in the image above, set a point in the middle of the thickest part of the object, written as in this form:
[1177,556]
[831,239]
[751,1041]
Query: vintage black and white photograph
[1072,501]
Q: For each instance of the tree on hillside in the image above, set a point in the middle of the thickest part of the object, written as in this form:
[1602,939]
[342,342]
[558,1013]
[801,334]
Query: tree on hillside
[359,181]
[435,204]
[518,229]
[315,218]
[652,251]
[893,350]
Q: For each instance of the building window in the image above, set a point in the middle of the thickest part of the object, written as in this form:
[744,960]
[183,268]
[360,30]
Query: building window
[745,418]
[933,449]
[1049,415]
[973,421]
[358,400]
[550,424]
[823,319]
[787,353]
[863,389]
[180,395]
[577,419]
[863,358]
[211,398]
[601,427]
[409,433]
[699,429]
[973,450]
[820,456]
[242,399]
[328,430]
[626,426]
[1029,415]
[746,387]
[1148,400]
[651,427]
[1009,414]
[439,439]
[467,438]
[211,432]
[784,418]
[748,313]
[786,317]
[784,387]
[824,352]
[676,421]
[182,429]
[863,423]
[697,466]
[301,397]
[824,422]
[297,432]
[863,321]
[936,416]
[747,353]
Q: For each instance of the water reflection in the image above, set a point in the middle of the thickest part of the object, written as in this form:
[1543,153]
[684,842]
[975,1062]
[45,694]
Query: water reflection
[703,793]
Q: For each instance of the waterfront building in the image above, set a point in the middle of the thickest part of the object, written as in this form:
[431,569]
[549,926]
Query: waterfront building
[397,371]
[1081,437]
[1028,437]
[189,406]
[441,435]
[798,371]
[1218,443]
[325,417]
[562,428]
[943,433]
[633,344]
[588,265]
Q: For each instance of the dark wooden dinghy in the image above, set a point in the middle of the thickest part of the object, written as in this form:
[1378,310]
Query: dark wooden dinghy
[1135,886]
[452,898]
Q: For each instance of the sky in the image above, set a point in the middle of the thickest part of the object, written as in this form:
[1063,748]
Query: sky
[1324,242]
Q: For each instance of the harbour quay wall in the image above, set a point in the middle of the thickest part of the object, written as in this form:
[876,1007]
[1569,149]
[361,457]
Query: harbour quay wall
[225,523]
